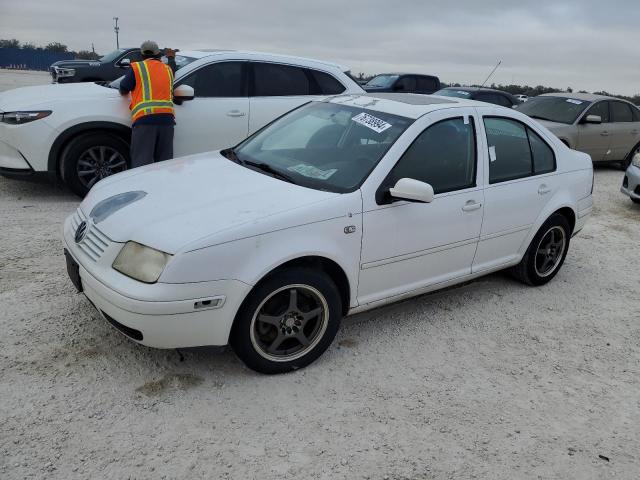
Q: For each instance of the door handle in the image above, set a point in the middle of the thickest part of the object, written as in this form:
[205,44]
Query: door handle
[543,190]
[235,113]
[471,205]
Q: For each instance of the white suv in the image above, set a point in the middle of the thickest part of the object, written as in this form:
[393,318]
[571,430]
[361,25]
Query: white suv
[81,132]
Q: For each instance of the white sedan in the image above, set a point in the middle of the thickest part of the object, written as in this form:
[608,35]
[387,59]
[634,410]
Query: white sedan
[80,132]
[338,207]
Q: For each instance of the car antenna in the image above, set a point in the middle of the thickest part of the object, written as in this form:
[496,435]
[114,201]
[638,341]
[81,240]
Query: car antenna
[492,72]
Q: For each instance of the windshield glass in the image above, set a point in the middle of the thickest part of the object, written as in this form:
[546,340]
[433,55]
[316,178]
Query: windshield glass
[554,109]
[181,61]
[383,81]
[452,92]
[325,146]
[109,57]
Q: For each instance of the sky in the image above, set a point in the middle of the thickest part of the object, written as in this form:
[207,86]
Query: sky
[587,44]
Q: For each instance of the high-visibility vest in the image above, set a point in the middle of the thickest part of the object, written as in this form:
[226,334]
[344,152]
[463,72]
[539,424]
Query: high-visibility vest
[153,92]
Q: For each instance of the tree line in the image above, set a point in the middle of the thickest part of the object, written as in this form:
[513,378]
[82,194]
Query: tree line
[49,47]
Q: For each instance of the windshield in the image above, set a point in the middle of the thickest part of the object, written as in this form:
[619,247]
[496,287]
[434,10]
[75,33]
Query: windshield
[109,57]
[452,92]
[383,81]
[181,61]
[325,146]
[554,109]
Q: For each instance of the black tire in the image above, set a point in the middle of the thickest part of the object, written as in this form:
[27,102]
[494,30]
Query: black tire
[635,200]
[75,157]
[529,269]
[624,164]
[251,334]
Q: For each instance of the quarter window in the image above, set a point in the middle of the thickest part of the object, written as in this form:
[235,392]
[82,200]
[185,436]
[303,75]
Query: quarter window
[225,79]
[516,151]
[273,80]
[444,156]
[621,112]
[326,84]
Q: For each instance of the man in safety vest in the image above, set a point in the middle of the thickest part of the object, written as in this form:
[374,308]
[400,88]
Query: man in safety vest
[150,83]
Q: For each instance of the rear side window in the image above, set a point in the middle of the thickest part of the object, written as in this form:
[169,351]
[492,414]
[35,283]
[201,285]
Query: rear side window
[405,84]
[494,98]
[621,112]
[225,79]
[273,80]
[427,84]
[516,151]
[325,84]
[444,155]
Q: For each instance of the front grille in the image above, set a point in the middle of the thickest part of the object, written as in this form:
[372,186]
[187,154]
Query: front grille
[95,243]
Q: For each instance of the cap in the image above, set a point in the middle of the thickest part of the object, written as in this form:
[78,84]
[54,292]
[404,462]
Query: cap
[149,47]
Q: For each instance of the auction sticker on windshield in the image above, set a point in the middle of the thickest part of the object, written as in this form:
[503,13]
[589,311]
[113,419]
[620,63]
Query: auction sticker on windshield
[312,172]
[369,121]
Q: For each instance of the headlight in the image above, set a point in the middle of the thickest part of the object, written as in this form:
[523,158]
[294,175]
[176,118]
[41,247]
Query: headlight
[64,72]
[636,160]
[18,118]
[141,263]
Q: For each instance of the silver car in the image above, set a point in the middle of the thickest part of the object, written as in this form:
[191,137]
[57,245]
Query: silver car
[631,182]
[606,128]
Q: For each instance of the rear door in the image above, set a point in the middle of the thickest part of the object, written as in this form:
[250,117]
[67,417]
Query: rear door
[275,89]
[595,139]
[624,130]
[218,116]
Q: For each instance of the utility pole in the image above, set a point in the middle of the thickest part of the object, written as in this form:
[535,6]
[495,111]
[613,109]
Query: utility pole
[93,49]
[116,29]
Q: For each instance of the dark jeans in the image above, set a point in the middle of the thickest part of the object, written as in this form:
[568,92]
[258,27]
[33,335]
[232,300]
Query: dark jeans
[151,143]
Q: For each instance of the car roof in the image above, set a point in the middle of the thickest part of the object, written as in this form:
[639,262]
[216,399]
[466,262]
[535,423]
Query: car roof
[410,105]
[254,55]
[477,89]
[406,73]
[588,97]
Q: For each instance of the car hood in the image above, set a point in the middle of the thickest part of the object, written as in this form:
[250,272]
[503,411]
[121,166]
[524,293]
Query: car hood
[197,201]
[29,97]
[76,63]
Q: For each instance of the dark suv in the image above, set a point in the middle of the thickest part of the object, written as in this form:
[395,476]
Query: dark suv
[403,82]
[107,68]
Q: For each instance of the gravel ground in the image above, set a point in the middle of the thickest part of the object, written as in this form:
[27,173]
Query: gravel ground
[22,78]
[489,380]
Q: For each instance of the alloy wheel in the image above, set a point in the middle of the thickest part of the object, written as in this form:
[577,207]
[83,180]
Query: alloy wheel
[99,162]
[550,251]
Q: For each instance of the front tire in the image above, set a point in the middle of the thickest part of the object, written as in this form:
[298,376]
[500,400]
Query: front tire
[624,164]
[287,321]
[91,157]
[546,253]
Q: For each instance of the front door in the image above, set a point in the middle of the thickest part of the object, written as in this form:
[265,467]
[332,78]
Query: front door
[408,246]
[625,132]
[218,116]
[595,139]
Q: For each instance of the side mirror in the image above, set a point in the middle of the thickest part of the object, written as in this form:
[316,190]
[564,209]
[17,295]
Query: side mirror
[124,63]
[183,93]
[596,119]
[412,190]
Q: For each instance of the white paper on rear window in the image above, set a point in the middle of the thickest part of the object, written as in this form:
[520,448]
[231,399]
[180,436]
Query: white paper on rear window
[376,124]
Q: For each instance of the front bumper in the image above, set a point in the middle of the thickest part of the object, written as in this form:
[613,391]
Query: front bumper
[158,315]
[631,182]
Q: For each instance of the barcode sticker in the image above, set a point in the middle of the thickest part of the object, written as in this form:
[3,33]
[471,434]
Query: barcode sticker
[369,121]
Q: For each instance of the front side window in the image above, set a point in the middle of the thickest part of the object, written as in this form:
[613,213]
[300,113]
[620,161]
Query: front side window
[274,80]
[223,79]
[600,109]
[452,92]
[515,150]
[325,146]
[621,112]
[133,56]
[444,156]
[554,109]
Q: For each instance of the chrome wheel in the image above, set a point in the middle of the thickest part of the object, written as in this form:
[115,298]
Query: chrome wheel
[289,323]
[99,162]
[550,251]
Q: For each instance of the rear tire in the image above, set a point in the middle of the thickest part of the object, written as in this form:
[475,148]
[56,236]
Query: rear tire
[91,157]
[287,321]
[546,253]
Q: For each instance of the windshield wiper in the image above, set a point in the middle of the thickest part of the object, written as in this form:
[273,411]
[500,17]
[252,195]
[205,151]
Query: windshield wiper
[265,167]
[231,154]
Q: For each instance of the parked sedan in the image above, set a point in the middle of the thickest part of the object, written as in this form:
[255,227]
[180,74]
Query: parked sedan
[403,83]
[338,207]
[488,95]
[80,132]
[606,128]
[631,181]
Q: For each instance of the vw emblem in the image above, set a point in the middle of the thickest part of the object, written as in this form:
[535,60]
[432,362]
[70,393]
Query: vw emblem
[81,231]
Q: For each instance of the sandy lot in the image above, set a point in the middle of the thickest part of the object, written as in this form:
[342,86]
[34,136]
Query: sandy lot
[491,380]
[22,78]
